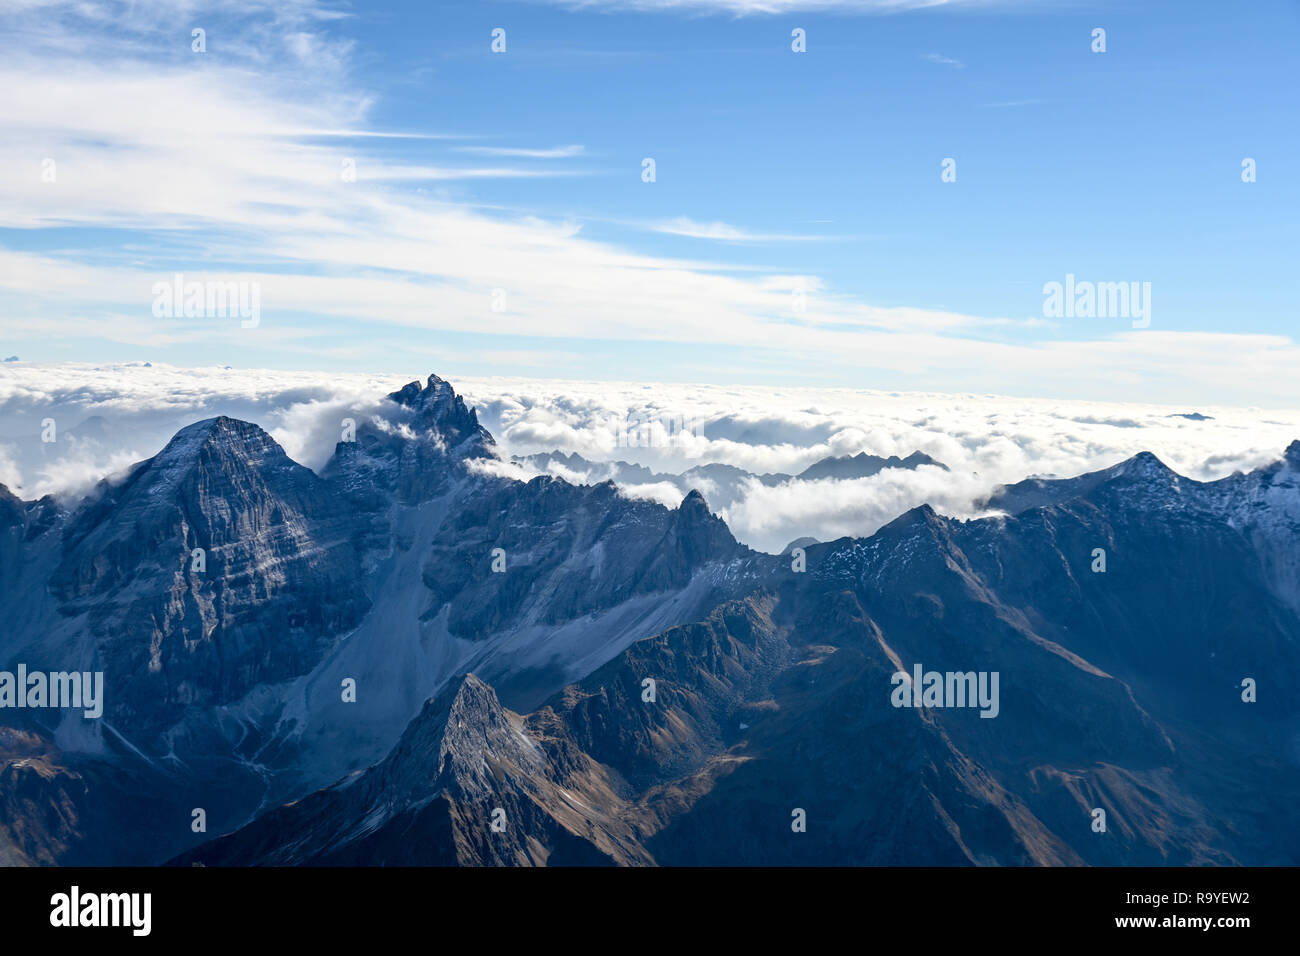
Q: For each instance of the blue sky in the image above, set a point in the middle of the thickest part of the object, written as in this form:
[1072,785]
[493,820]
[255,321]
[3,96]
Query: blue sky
[521,172]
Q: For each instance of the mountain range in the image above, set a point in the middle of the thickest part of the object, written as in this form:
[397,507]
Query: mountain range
[408,659]
[723,484]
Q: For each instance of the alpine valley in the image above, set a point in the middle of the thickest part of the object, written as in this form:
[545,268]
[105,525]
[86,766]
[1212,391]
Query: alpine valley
[408,659]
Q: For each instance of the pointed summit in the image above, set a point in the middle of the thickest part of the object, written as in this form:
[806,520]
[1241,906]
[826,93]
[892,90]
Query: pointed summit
[697,534]
[694,500]
[444,745]
[922,518]
[1142,465]
[1145,478]
[416,449]
[437,407]
[1293,454]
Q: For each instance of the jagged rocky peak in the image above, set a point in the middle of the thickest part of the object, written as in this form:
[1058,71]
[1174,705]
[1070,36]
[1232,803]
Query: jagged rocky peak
[1292,454]
[465,747]
[694,512]
[694,502]
[438,407]
[452,733]
[700,534]
[414,447]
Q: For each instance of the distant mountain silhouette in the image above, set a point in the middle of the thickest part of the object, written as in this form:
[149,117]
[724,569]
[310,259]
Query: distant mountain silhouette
[725,484]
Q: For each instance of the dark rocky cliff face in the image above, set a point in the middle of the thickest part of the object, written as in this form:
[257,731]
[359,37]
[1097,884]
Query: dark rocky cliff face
[280,577]
[580,548]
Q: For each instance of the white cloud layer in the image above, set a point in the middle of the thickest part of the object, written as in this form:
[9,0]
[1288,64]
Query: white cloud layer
[110,415]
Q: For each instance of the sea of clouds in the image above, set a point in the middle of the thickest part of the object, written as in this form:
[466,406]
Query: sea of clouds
[110,416]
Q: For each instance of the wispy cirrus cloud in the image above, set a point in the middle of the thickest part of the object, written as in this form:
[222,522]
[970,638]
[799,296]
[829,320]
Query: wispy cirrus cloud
[725,232]
[555,152]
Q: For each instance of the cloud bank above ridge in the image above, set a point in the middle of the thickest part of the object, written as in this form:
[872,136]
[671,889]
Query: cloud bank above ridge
[112,415]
